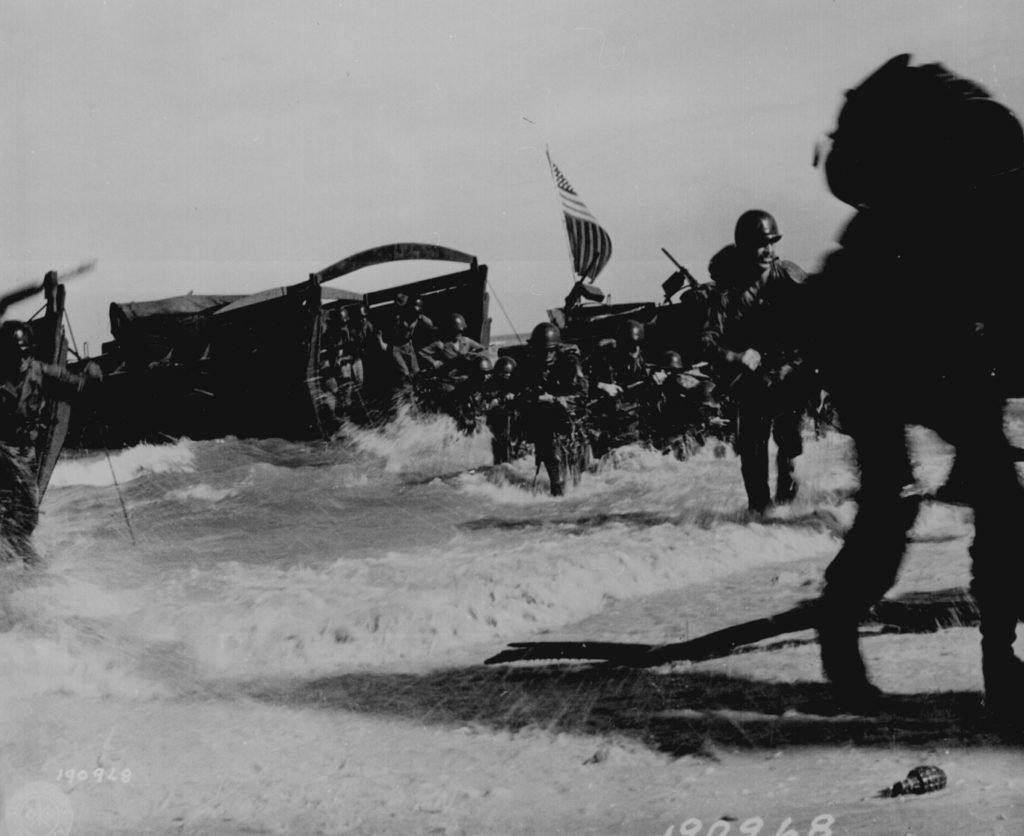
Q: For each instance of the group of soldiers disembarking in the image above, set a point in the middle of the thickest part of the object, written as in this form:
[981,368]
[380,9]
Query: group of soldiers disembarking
[569,406]
[748,384]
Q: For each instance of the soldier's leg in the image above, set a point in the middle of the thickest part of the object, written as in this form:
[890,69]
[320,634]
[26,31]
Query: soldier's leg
[989,480]
[501,442]
[546,450]
[555,465]
[786,432]
[869,560]
[19,507]
[752,430]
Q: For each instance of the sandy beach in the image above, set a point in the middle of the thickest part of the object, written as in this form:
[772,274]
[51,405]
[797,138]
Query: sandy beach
[744,744]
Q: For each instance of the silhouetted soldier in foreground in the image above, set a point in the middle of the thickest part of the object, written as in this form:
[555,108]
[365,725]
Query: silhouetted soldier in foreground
[757,365]
[934,167]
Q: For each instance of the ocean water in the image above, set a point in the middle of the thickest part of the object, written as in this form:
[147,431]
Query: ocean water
[178,579]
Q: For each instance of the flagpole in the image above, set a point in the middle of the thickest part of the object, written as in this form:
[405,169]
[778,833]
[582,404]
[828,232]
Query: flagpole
[565,220]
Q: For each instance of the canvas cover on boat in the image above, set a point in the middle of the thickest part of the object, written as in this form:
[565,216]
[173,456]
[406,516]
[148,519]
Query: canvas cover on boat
[153,330]
[327,295]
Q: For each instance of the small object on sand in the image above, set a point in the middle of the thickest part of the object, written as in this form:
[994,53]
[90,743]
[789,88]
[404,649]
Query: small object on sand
[919,780]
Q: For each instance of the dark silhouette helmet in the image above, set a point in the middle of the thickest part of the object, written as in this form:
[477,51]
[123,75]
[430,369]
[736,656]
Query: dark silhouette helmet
[755,228]
[672,360]
[910,134]
[16,336]
[482,364]
[457,323]
[545,335]
[631,333]
[505,367]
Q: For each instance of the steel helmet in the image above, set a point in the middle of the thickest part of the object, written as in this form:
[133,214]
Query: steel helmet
[545,335]
[672,360]
[482,364]
[505,367]
[457,323]
[16,335]
[632,332]
[755,228]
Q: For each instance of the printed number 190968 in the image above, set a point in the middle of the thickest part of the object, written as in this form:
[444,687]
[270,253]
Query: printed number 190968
[98,775]
[820,826]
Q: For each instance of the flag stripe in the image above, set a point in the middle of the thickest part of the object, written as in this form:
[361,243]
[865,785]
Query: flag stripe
[590,244]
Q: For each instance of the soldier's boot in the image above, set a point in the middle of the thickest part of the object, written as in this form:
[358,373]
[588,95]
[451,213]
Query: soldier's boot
[841,661]
[759,500]
[556,474]
[786,484]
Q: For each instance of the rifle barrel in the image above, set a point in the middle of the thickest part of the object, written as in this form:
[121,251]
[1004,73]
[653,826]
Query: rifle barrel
[670,258]
[26,291]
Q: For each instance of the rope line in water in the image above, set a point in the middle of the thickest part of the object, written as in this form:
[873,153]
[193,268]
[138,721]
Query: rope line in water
[120,498]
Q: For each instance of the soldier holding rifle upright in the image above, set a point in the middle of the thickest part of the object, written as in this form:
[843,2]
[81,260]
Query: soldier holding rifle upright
[757,364]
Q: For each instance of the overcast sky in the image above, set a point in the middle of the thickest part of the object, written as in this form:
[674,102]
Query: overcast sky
[230,146]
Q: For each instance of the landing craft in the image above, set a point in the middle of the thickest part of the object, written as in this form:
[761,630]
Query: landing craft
[251,366]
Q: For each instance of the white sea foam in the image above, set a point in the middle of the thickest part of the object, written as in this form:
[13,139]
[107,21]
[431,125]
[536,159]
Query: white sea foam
[418,607]
[430,443]
[201,493]
[67,636]
[101,469]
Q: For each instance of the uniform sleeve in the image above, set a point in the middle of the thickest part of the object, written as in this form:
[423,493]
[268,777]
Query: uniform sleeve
[714,326]
[793,272]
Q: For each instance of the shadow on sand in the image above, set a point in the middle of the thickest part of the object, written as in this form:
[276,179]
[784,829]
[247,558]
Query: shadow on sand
[677,713]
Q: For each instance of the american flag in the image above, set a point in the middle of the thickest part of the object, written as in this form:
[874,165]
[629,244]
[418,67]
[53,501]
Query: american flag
[590,244]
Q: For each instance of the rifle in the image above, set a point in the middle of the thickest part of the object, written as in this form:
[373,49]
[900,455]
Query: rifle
[678,280]
[51,280]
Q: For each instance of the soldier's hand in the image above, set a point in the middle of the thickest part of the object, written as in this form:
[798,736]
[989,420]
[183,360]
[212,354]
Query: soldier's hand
[93,372]
[751,359]
[659,376]
[610,389]
[546,398]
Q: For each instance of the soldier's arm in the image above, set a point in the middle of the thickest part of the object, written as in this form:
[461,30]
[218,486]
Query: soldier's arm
[58,382]
[711,338]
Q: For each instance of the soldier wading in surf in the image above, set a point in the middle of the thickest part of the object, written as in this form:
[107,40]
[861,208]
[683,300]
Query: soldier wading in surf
[553,391]
[757,365]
